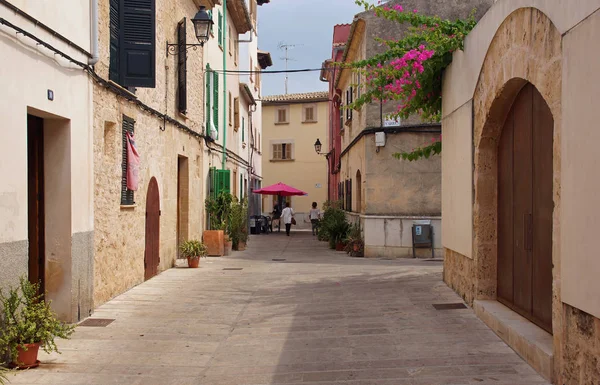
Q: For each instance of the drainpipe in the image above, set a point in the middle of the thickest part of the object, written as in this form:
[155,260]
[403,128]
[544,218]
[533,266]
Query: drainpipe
[94,38]
[225,48]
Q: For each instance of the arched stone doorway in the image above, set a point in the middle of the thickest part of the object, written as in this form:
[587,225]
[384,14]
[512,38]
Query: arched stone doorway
[525,206]
[152,250]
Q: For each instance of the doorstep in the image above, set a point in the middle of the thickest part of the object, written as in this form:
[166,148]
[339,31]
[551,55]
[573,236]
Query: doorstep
[531,342]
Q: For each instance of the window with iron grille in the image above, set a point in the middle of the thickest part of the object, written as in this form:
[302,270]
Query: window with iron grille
[282,151]
[126,194]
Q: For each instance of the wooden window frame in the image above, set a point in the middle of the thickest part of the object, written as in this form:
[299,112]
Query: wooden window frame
[305,109]
[236,114]
[283,151]
[286,110]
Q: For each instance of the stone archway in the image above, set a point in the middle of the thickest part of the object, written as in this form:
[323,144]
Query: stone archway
[526,49]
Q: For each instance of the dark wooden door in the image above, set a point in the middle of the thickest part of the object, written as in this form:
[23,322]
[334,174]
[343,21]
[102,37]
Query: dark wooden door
[525,207]
[151,253]
[35,195]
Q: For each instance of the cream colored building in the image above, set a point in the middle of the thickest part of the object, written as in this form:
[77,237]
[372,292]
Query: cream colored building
[291,125]
[520,164]
[46,198]
[162,102]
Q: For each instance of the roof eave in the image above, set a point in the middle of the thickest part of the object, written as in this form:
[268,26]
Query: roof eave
[240,15]
[245,90]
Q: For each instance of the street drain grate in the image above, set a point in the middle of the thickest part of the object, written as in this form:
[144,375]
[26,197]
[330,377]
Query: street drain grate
[449,306]
[233,268]
[278,259]
[97,322]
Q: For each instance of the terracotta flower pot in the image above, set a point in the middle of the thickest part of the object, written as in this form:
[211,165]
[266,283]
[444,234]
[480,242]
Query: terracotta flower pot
[241,246]
[228,247]
[215,242]
[193,262]
[27,358]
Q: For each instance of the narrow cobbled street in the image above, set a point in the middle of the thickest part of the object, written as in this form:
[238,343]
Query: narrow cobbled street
[286,311]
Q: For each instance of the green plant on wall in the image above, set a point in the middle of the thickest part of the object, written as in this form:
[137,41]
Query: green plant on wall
[238,219]
[26,319]
[219,210]
[409,72]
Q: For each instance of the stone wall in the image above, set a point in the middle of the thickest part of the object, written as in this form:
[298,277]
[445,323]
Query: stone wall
[119,238]
[581,351]
[459,274]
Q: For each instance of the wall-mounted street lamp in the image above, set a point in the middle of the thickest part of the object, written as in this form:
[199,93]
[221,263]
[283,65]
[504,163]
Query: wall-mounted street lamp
[318,147]
[202,23]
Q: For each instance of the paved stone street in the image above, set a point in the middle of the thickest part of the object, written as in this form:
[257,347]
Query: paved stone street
[313,317]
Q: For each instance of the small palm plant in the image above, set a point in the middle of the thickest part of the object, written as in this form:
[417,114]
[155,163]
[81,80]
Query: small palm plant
[193,250]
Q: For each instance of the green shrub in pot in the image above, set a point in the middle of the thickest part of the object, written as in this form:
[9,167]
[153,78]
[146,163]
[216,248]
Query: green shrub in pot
[26,319]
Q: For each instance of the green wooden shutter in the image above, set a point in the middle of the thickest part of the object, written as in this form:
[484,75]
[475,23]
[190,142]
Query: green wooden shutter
[207,97]
[213,182]
[216,101]
[223,178]
[220,28]
[138,43]
[210,14]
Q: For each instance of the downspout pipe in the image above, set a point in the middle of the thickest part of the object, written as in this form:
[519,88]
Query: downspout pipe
[94,38]
[224,161]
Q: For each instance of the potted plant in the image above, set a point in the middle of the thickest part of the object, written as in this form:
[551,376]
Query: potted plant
[334,226]
[238,223]
[27,323]
[218,211]
[354,241]
[193,250]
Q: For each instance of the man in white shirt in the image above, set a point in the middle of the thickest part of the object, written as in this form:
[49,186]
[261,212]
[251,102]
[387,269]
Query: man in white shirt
[286,215]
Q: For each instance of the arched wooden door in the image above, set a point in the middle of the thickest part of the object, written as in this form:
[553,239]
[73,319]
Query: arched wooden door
[151,253]
[525,206]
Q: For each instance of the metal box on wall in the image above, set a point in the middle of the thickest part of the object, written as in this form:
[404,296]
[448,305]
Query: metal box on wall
[422,236]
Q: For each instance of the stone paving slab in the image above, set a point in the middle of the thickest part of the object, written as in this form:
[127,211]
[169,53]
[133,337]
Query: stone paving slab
[317,318]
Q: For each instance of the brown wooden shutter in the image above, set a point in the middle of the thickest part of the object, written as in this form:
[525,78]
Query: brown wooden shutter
[138,43]
[236,113]
[181,67]
[126,194]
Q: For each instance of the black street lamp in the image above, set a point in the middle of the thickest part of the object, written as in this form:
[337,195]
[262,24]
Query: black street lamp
[202,23]
[318,146]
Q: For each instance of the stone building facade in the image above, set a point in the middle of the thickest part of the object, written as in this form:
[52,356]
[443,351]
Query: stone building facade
[138,233]
[384,194]
[46,194]
[291,125]
[518,105]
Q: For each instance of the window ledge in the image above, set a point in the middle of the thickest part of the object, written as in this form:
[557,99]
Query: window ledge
[282,160]
[281,123]
[128,207]
[309,122]
[122,88]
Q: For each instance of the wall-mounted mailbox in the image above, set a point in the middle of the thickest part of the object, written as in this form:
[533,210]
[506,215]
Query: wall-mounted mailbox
[422,236]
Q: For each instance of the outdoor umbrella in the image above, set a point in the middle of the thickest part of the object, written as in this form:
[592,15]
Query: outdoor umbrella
[281,190]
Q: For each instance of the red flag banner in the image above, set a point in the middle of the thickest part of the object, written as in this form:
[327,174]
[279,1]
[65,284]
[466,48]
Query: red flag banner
[133,163]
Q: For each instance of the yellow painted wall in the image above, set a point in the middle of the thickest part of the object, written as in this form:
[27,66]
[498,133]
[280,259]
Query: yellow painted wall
[308,169]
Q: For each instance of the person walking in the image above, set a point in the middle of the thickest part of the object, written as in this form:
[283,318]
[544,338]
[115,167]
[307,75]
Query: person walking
[315,215]
[287,215]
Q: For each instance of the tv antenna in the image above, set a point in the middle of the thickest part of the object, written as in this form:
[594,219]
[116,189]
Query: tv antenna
[285,47]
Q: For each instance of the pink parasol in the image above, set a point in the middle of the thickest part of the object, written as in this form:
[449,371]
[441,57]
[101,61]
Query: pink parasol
[280,189]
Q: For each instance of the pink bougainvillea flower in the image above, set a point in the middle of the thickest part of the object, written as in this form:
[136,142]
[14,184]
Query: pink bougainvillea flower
[415,11]
[398,8]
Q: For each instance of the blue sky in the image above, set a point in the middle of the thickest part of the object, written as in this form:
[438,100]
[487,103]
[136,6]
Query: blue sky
[309,25]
